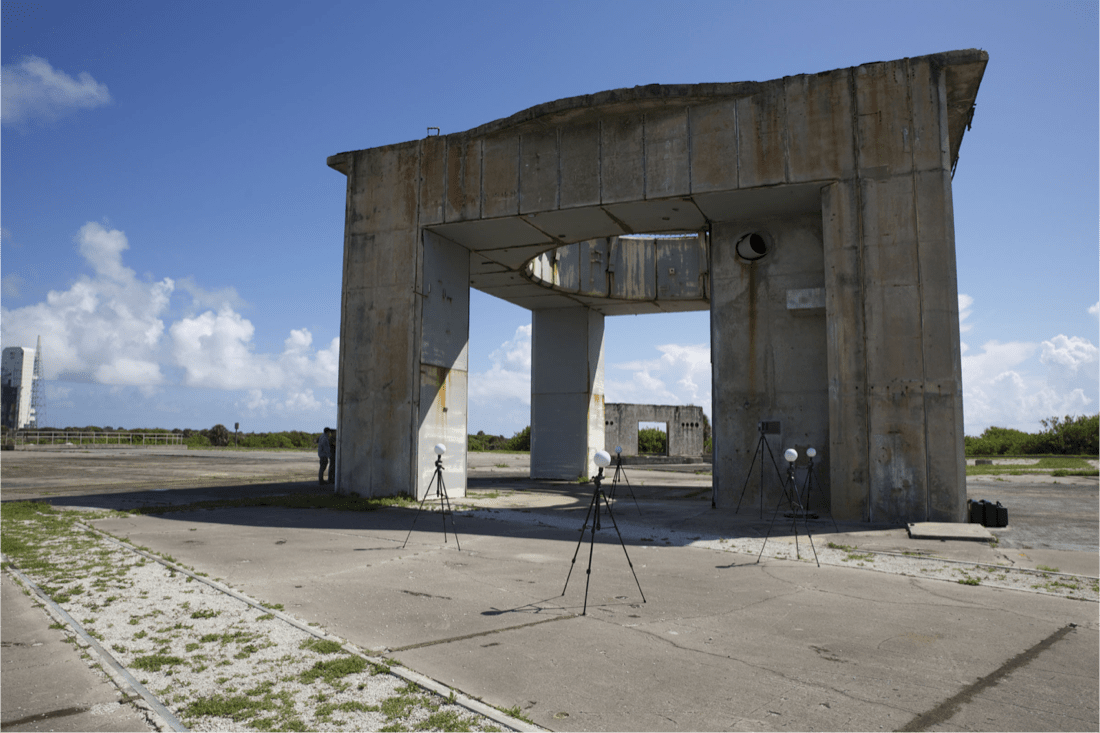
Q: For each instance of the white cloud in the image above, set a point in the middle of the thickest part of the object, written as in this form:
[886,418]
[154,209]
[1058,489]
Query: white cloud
[1095,309]
[1003,386]
[110,328]
[509,376]
[33,89]
[11,286]
[210,299]
[965,303]
[680,376]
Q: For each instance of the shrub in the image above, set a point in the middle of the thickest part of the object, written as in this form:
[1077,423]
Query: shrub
[521,440]
[219,435]
[652,440]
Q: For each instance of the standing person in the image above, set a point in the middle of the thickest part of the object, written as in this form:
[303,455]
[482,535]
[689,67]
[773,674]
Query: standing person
[324,452]
[332,456]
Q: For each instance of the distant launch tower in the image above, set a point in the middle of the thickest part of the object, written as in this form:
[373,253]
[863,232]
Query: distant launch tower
[22,389]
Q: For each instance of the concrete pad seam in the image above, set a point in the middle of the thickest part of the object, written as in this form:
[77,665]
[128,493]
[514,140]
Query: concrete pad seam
[452,639]
[406,674]
[949,707]
[158,714]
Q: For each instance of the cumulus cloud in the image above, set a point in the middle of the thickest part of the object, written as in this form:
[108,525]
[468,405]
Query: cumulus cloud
[1004,384]
[33,90]
[965,303]
[509,374]
[113,328]
[11,286]
[680,376]
[1095,309]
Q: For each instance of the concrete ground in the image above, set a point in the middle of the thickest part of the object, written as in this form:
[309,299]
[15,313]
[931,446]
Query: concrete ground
[46,685]
[720,641]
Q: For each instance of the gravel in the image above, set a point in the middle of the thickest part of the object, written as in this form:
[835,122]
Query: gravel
[220,663]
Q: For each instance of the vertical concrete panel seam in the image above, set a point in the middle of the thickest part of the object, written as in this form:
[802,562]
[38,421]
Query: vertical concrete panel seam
[920,292]
[687,143]
[557,193]
[645,176]
[599,159]
[858,191]
[786,135]
[481,179]
[519,174]
[737,143]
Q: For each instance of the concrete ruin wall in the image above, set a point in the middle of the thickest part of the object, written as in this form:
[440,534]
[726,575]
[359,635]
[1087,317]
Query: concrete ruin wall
[684,425]
[846,331]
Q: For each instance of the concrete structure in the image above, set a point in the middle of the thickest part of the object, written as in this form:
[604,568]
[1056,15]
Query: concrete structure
[16,387]
[819,208]
[683,425]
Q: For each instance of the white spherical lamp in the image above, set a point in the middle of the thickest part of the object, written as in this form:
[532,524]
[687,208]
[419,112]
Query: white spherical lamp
[791,455]
[602,458]
[810,452]
[440,449]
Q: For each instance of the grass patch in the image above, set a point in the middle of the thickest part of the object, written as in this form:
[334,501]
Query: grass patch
[155,662]
[446,720]
[321,646]
[333,669]
[515,712]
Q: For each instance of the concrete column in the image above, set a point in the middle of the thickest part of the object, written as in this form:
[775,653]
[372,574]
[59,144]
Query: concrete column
[444,363]
[567,415]
[403,333]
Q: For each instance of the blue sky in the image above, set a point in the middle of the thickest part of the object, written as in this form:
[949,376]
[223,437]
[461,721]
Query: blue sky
[172,232]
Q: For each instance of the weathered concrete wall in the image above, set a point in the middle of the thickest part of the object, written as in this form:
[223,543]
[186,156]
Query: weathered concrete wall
[631,274]
[684,424]
[567,410]
[866,151]
[768,359]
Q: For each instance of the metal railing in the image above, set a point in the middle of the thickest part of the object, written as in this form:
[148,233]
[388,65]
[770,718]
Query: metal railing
[51,437]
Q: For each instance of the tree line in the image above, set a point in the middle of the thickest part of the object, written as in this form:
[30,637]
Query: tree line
[1060,436]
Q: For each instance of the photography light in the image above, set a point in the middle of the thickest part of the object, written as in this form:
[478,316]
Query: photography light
[810,452]
[440,449]
[791,455]
[618,449]
[602,458]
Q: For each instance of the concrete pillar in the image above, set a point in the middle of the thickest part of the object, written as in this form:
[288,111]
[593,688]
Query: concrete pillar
[444,363]
[567,416]
[402,348]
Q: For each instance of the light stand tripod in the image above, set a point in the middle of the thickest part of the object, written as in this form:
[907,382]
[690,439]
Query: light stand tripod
[602,459]
[761,444]
[619,470]
[444,500]
[811,479]
[797,512]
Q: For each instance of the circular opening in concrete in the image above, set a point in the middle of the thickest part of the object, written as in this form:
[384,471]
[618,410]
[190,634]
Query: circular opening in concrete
[752,246]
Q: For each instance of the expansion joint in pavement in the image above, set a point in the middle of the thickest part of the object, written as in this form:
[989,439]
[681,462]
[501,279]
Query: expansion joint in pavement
[947,709]
[423,644]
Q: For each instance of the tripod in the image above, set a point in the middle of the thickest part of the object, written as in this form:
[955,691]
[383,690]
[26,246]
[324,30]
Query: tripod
[619,470]
[444,503]
[595,504]
[797,512]
[811,479]
[760,446]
